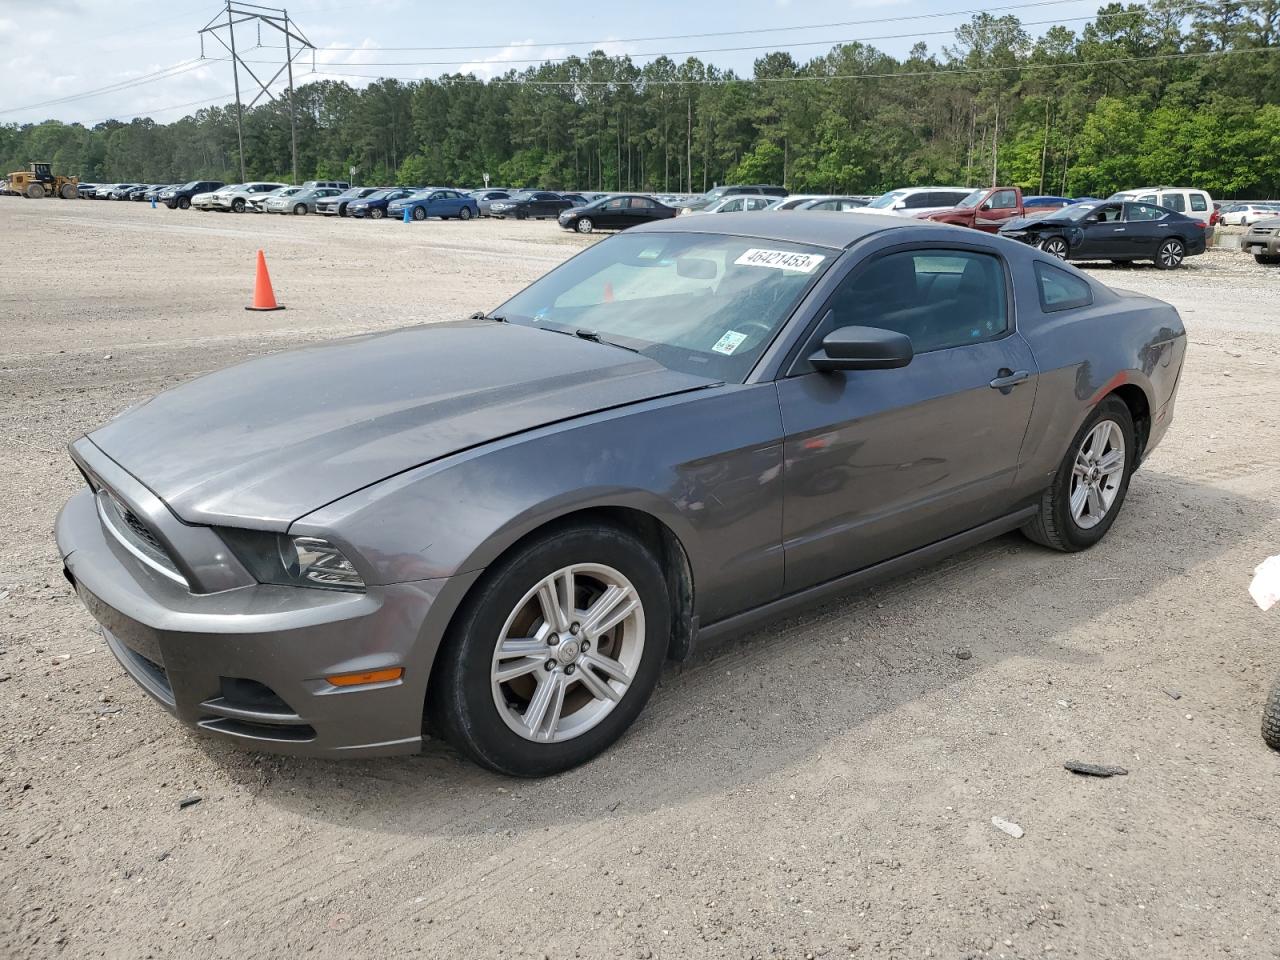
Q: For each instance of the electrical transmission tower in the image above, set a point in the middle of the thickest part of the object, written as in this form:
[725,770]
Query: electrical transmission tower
[226,21]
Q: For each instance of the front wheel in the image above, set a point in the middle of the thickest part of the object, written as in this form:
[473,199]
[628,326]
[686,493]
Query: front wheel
[585,225]
[237,205]
[522,215]
[300,210]
[419,213]
[184,204]
[1055,247]
[1171,254]
[1267,260]
[377,213]
[1090,486]
[68,192]
[555,652]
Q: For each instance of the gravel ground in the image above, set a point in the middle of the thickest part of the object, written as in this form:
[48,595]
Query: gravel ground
[822,787]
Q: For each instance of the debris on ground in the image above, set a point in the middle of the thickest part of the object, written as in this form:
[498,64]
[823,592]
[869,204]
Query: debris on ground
[1008,826]
[189,801]
[1175,694]
[1095,769]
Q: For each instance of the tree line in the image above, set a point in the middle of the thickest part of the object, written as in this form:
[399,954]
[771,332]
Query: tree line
[1178,92]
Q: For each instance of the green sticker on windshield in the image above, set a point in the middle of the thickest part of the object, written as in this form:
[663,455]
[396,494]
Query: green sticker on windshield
[730,342]
[650,253]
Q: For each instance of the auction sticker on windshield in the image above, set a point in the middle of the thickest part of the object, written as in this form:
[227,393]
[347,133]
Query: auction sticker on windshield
[780,260]
[730,342]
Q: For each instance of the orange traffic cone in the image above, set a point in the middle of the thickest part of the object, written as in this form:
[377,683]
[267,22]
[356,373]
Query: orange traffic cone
[264,298]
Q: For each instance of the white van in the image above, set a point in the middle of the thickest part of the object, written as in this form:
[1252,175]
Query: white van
[1193,203]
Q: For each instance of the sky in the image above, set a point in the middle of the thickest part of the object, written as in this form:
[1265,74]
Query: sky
[146,54]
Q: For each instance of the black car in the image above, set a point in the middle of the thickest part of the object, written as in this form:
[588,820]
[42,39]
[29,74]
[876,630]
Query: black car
[374,206]
[1113,230]
[337,206]
[538,204]
[615,213]
[180,197]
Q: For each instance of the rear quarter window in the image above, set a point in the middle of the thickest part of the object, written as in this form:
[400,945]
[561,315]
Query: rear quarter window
[1199,202]
[1060,290]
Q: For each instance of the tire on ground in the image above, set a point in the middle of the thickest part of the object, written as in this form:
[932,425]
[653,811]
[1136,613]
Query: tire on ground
[460,703]
[1053,526]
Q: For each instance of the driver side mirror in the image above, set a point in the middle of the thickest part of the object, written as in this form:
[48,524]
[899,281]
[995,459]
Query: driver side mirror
[862,348]
[986,205]
[900,205]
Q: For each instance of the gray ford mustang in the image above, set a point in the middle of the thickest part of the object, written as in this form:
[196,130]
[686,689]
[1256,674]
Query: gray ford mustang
[500,527]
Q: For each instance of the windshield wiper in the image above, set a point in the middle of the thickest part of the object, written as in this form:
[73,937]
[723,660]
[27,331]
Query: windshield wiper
[481,315]
[595,337]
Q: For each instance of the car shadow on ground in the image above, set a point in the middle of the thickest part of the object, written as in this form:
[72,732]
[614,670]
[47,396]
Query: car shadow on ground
[777,698]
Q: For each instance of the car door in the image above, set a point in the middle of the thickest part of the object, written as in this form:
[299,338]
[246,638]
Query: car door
[1147,226]
[881,462]
[996,210]
[611,215]
[1104,233]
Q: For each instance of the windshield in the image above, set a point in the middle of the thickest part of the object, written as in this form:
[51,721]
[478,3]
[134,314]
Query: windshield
[353,192]
[380,195]
[972,199]
[887,199]
[192,185]
[698,303]
[1074,212]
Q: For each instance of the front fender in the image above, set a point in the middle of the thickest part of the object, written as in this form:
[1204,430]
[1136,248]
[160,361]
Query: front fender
[707,464]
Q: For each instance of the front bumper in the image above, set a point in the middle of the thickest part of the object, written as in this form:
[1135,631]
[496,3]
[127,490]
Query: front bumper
[1269,242]
[247,664]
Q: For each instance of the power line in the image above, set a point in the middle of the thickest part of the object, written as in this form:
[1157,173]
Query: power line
[722,81]
[164,73]
[220,98]
[717,33]
[681,53]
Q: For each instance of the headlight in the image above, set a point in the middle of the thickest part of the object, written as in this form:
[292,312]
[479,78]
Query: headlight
[293,561]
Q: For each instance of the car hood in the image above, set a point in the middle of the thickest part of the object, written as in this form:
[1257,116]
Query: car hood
[268,441]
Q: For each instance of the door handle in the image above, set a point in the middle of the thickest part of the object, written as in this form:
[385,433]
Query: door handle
[1009,379]
[1119,230]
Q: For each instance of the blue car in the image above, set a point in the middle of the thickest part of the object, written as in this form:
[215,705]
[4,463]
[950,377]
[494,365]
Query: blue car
[374,206]
[435,202]
[1042,203]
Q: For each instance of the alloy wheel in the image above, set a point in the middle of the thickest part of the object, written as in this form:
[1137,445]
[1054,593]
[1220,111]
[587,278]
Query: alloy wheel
[1097,474]
[1171,254]
[568,653]
[1055,247]
[585,225]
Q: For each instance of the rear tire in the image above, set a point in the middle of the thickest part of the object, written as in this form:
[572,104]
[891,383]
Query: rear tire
[464,213]
[1056,525]
[1171,254]
[463,700]
[300,210]
[35,191]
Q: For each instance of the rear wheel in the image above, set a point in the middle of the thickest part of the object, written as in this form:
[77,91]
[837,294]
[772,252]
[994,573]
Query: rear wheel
[555,652]
[35,190]
[464,213]
[1171,254]
[300,210]
[1055,247]
[585,225]
[1090,486]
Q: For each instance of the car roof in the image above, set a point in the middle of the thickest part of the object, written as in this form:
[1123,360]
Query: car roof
[821,228]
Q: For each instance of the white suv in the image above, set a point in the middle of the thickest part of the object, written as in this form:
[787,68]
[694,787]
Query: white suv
[1193,203]
[913,201]
[238,196]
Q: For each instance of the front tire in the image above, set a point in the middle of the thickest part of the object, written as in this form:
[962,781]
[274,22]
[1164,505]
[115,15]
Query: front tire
[184,203]
[1087,492]
[377,213]
[1055,247]
[300,210]
[518,688]
[237,205]
[1171,254]
[585,225]
[419,213]
[1266,259]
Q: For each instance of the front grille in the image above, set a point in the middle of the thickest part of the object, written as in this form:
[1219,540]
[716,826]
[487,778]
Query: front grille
[1261,232]
[135,536]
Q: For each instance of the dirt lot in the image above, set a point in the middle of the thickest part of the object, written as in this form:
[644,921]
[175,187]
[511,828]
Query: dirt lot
[824,787]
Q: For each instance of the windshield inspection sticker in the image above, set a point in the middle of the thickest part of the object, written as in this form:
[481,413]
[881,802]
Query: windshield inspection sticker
[780,260]
[730,342]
